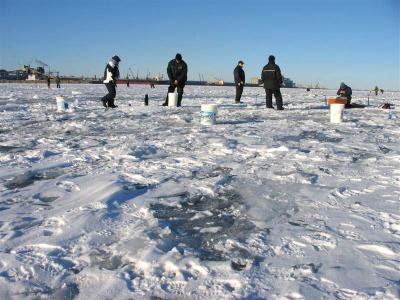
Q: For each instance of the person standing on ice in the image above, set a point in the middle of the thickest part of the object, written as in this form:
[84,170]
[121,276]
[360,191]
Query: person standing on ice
[48,82]
[177,74]
[345,92]
[58,82]
[272,78]
[376,89]
[240,79]
[111,74]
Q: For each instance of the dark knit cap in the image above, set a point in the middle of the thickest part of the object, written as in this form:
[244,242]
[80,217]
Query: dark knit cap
[116,58]
[178,56]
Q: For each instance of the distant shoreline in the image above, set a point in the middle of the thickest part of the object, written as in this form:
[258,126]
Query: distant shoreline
[144,82]
[122,82]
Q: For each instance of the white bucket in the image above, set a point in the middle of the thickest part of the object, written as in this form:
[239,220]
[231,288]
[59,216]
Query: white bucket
[208,114]
[173,99]
[336,112]
[62,105]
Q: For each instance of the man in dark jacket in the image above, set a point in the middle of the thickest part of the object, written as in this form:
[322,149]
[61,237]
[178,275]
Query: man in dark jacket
[345,92]
[58,82]
[240,79]
[111,74]
[272,78]
[177,74]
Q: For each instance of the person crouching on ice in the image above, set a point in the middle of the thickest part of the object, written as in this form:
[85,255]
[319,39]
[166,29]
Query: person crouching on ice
[111,74]
[345,91]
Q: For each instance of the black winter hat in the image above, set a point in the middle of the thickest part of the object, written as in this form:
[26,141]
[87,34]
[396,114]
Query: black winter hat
[240,62]
[271,58]
[116,58]
[178,56]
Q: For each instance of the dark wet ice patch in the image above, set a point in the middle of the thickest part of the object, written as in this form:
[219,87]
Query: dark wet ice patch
[201,224]
[213,173]
[30,177]
[25,223]
[309,135]
[148,152]
[361,156]
[105,260]
[48,196]
[9,149]
[66,291]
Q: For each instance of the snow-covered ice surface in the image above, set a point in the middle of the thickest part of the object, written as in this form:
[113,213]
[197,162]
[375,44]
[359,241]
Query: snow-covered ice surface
[144,202]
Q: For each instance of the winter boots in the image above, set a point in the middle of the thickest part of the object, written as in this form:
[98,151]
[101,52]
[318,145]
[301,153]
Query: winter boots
[111,103]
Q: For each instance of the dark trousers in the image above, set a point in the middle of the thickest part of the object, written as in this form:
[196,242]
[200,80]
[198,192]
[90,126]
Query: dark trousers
[239,92]
[58,85]
[171,89]
[278,98]
[112,92]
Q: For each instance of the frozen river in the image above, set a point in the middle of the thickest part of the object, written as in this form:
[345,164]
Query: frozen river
[144,202]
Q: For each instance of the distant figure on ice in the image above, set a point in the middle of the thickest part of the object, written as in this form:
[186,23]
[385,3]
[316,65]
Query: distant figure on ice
[272,78]
[382,91]
[240,79]
[111,74]
[345,92]
[58,82]
[376,89]
[48,82]
[177,74]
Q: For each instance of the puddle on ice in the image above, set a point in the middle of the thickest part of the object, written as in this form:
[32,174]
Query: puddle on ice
[202,224]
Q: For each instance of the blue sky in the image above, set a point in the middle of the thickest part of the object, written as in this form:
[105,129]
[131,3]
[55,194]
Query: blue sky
[325,41]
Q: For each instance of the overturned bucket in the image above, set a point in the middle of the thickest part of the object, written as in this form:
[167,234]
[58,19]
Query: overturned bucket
[173,99]
[62,105]
[208,114]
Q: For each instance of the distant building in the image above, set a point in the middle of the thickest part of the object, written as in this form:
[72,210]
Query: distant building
[3,74]
[13,75]
[25,73]
[255,80]
[288,83]
[33,76]
[216,82]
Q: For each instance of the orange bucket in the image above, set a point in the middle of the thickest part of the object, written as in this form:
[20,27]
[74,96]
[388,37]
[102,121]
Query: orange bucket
[337,101]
